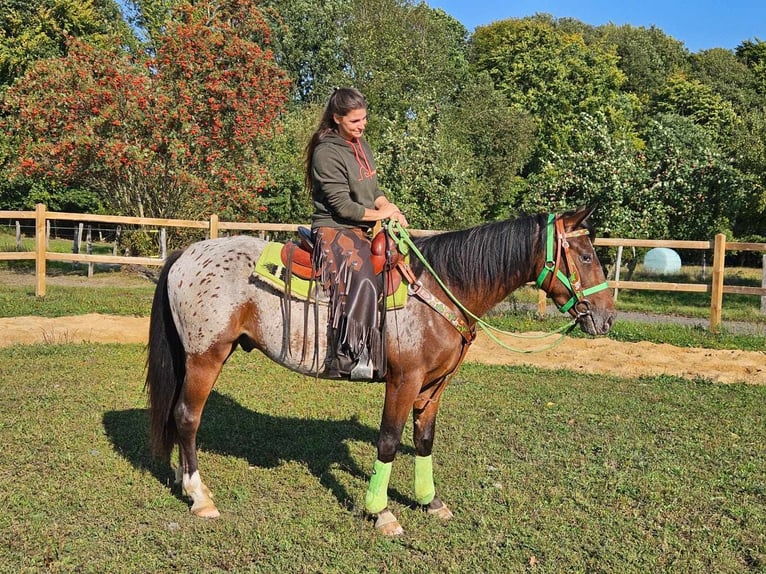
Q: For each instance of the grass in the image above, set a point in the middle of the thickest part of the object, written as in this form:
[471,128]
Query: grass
[568,472]
[61,301]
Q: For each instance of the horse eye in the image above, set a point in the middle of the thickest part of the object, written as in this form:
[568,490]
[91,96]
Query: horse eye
[586,258]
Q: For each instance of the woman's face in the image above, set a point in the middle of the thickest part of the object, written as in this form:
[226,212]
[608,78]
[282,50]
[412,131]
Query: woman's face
[352,124]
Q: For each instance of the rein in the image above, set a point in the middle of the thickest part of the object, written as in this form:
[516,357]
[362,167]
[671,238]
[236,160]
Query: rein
[405,245]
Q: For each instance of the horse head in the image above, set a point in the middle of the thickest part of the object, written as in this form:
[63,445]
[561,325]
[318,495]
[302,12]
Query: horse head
[571,274]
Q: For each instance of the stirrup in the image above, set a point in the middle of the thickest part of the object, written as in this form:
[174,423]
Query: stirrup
[363,368]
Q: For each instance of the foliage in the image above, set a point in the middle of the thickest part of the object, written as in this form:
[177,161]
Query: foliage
[727,76]
[30,31]
[284,196]
[423,61]
[554,76]
[430,176]
[753,54]
[609,172]
[172,135]
[310,43]
[702,192]
[697,101]
[647,56]
[500,138]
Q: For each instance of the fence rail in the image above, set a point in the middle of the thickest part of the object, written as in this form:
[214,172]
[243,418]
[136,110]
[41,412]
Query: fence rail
[214,226]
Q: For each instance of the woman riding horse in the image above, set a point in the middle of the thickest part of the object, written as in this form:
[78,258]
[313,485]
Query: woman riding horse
[341,175]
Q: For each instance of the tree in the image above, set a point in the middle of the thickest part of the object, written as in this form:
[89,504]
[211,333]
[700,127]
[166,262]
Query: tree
[176,135]
[611,173]
[310,42]
[285,197]
[404,56]
[753,54]
[37,29]
[431,177]
[726,76]
[695,100]
[647,57]
[552,75]
[703,193]
[500,139]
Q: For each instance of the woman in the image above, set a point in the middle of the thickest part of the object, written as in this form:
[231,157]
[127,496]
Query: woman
[340,172]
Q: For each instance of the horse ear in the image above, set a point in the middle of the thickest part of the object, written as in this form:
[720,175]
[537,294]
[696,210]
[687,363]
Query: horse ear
[582,214]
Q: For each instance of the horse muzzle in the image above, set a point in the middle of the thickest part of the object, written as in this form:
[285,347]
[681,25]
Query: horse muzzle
[593,321]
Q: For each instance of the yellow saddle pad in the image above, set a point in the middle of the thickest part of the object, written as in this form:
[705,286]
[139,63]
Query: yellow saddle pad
[270,268]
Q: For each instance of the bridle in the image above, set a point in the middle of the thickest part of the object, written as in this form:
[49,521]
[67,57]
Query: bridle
[556,235]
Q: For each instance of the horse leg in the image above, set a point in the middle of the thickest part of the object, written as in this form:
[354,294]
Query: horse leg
[201,374]
[396,408]
[424,426]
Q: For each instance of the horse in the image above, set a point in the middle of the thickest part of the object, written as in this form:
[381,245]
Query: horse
[208,302]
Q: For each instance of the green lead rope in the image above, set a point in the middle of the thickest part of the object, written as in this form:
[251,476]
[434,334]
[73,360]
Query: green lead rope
[405,244]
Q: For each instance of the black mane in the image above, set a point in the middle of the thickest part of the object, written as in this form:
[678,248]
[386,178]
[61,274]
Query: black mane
[488,256]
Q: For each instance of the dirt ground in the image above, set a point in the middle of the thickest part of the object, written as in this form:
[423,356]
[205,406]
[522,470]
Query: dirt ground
[585,355]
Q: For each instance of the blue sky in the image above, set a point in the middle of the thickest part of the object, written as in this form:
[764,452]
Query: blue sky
[700,25]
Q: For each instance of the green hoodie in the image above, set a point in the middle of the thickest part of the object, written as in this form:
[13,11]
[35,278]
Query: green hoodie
[344,182]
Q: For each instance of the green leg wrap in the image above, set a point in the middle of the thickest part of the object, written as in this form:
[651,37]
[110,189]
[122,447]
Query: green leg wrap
[424,480]
[376,498]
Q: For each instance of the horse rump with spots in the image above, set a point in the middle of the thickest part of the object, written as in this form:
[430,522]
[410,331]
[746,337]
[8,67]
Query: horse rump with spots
[208,302]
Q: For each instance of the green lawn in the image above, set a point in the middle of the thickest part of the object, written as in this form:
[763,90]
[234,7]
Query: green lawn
[572,473]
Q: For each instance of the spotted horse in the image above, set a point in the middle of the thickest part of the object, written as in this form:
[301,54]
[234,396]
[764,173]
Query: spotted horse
[207,303]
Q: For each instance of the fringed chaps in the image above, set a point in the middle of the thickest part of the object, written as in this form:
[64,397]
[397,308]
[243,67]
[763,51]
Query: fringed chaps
[343,260]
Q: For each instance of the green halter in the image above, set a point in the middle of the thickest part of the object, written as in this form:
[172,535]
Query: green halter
[552,263]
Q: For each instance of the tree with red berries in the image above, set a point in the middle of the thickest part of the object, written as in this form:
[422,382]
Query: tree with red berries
[174,134]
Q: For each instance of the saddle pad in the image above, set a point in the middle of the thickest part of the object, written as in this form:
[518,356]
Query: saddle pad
[270,268]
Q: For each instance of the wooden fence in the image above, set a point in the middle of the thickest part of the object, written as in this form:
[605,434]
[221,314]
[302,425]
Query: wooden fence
[214,227]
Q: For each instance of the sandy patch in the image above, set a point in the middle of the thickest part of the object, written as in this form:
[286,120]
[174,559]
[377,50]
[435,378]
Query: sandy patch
[586,355]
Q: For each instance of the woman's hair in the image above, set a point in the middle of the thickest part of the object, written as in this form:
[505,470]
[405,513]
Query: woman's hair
[342,102]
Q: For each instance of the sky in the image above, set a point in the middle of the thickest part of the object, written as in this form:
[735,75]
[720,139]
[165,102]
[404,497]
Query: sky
[700,24]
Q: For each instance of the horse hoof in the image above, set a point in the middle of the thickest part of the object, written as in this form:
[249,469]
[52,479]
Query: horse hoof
[205,511]
[440,510]
[387,524]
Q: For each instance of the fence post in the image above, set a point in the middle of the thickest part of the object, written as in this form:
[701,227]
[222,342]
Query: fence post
[76,248]
[89,250]
[163,243]
[542,303]
[117,233]
[214,226]
[617,266]
[763,286]
[18,235]
[716,290]
[40,245]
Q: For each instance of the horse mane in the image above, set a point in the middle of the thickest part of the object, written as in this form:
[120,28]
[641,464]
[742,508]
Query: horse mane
[488,256]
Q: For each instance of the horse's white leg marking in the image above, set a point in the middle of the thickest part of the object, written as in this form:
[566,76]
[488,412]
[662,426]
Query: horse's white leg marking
[202,502]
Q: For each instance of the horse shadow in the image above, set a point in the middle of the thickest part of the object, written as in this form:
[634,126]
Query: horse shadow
[263,440]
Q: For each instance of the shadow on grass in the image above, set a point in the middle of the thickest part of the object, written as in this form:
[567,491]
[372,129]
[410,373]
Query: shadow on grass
[263,440]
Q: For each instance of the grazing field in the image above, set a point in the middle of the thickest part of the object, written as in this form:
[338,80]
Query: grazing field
[546,471]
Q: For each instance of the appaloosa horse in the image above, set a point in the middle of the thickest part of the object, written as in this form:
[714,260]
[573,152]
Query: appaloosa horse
[208,301]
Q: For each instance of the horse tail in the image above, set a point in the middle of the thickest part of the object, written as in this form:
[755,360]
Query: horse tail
[165,368]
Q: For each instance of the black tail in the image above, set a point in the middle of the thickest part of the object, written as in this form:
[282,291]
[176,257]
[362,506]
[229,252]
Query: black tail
[165,368]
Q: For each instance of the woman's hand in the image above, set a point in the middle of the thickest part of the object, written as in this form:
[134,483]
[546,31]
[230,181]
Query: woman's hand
[399,216]
[389,211]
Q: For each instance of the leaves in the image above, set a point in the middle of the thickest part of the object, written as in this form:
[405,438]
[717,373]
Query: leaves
[174,135]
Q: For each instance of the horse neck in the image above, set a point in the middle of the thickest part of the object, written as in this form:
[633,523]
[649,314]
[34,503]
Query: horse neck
[481,300]
[483,265]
